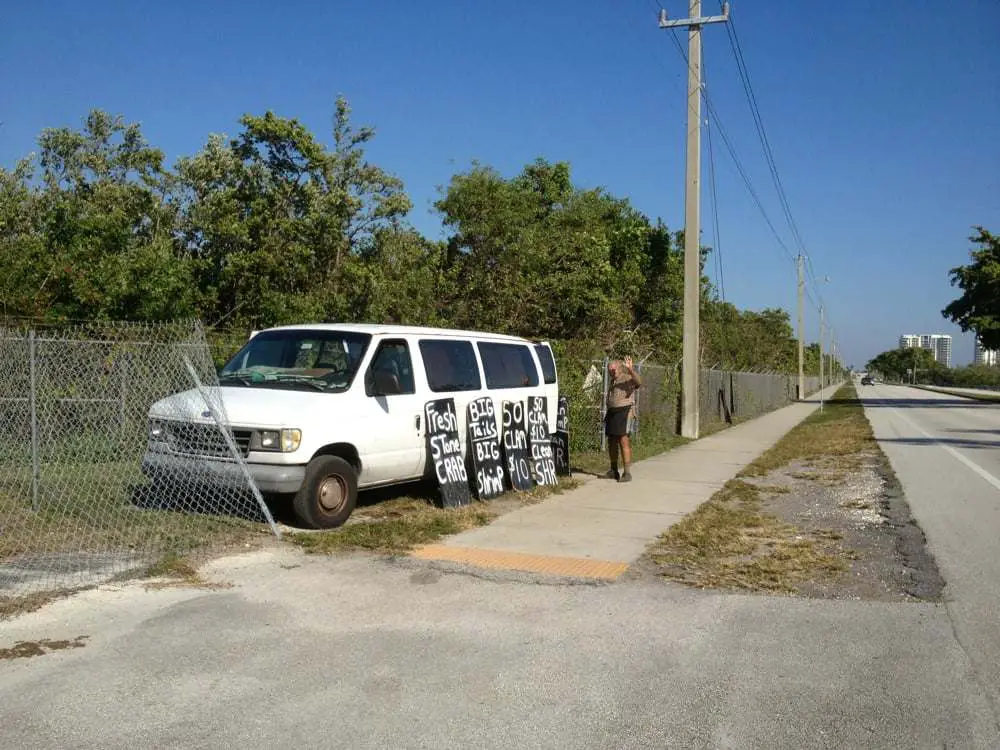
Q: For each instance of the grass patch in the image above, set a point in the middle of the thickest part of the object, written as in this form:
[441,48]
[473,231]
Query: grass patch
[108,507]
[398,525]
[597,462]
[15,606]
[176,571]
[728,542]
[172,566]
[832,437]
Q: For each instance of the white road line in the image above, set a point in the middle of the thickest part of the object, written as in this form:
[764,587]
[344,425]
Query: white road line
[971,464]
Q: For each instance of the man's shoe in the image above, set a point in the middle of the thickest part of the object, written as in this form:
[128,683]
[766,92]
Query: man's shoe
[613,474]
[626,477]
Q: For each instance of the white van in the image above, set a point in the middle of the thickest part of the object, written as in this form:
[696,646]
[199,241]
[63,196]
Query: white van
[321,411]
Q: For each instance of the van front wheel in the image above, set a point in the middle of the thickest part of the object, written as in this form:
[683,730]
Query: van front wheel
[327,496]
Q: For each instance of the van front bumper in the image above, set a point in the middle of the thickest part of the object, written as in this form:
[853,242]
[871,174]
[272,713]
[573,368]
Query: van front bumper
[191,470]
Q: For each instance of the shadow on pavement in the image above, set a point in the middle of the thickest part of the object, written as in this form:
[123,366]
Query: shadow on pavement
[954,442]
[925,403]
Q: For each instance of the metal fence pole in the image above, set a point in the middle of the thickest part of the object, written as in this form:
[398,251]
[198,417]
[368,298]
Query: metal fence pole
[123,391]
[604,401]
[33,396]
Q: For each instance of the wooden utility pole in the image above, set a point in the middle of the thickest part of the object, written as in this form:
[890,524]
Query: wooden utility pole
[691,365]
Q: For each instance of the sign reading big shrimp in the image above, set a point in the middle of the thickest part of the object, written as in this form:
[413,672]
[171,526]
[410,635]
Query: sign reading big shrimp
[484,447]
[446,452]
[515,446]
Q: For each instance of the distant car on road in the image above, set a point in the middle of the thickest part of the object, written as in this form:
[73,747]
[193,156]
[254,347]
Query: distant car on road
[867,380]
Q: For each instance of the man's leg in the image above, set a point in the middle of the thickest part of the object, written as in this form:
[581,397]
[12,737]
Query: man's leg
[613,455]
[626,451]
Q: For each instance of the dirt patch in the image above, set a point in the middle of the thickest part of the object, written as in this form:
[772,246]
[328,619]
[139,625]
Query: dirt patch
[884,552]
[28,649]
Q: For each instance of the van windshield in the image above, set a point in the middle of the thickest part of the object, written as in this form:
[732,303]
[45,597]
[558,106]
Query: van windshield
[297,359]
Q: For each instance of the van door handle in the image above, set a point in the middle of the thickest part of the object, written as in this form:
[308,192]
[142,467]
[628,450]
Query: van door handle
[418,423]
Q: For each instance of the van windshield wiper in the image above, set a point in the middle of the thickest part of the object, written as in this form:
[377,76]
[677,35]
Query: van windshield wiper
[242,377]
[319,385]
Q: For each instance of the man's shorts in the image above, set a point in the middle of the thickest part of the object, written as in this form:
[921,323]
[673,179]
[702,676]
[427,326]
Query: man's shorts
[616,421]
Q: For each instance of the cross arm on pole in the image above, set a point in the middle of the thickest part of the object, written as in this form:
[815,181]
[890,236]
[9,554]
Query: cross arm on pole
[700,21]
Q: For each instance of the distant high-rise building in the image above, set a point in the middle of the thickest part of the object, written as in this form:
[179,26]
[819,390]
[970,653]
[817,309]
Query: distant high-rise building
[938,344]
[942,349]
[983,356]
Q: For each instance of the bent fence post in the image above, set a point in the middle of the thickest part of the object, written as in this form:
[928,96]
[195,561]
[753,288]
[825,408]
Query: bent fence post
[231,444]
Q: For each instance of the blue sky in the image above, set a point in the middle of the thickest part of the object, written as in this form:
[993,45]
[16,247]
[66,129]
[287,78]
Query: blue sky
[883,117]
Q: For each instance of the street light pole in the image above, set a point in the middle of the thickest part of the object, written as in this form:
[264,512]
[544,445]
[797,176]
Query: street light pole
[822,381]
[802,283]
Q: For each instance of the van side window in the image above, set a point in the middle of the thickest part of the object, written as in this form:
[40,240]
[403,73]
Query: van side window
[508,365]
[548,364]
[450,365]
[391,370]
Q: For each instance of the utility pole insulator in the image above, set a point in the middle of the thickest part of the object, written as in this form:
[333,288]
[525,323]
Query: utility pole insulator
[663,16]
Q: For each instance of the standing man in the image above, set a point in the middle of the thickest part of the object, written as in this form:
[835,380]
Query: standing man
[623,382]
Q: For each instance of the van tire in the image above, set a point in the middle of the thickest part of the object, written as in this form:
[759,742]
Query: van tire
[328,493]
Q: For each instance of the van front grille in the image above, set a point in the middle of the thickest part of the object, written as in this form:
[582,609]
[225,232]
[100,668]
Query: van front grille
[193,439]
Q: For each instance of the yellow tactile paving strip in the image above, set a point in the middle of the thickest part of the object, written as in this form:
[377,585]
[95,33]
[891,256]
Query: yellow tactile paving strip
[498,560]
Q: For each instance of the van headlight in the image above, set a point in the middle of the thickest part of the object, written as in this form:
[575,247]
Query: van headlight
[157,430]
[279,441]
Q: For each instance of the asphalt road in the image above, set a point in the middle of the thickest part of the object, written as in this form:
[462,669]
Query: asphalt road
[946,452]
[357,652]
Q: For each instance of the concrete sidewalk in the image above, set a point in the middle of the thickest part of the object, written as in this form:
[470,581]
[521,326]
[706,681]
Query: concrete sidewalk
[598,529]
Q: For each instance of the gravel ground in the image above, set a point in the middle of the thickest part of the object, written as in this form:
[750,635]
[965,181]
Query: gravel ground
[886,550]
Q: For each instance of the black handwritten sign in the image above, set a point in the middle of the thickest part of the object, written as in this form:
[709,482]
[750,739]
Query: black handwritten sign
[446,452]
[560,441]
[484,446]
[542,462]
[515,446]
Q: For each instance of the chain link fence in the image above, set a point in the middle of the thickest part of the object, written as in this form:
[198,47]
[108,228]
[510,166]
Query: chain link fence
[93,489]
[78,503]
[725,397]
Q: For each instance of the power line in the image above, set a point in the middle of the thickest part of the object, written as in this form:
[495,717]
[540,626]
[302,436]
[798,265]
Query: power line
[744,73]
[736,160]
[786,209]
[716,235]
[729,146]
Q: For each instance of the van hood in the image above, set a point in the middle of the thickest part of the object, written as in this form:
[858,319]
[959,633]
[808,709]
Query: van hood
[266,408]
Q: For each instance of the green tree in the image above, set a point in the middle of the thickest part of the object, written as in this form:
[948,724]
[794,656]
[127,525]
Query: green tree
[277,224]
[93,237]
[898,364]
[536,256]
[744,339]
[404,279]
[978,309]
[22,243]
[659,307]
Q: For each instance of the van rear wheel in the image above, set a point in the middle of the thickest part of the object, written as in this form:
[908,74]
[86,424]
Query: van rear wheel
[328,494]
